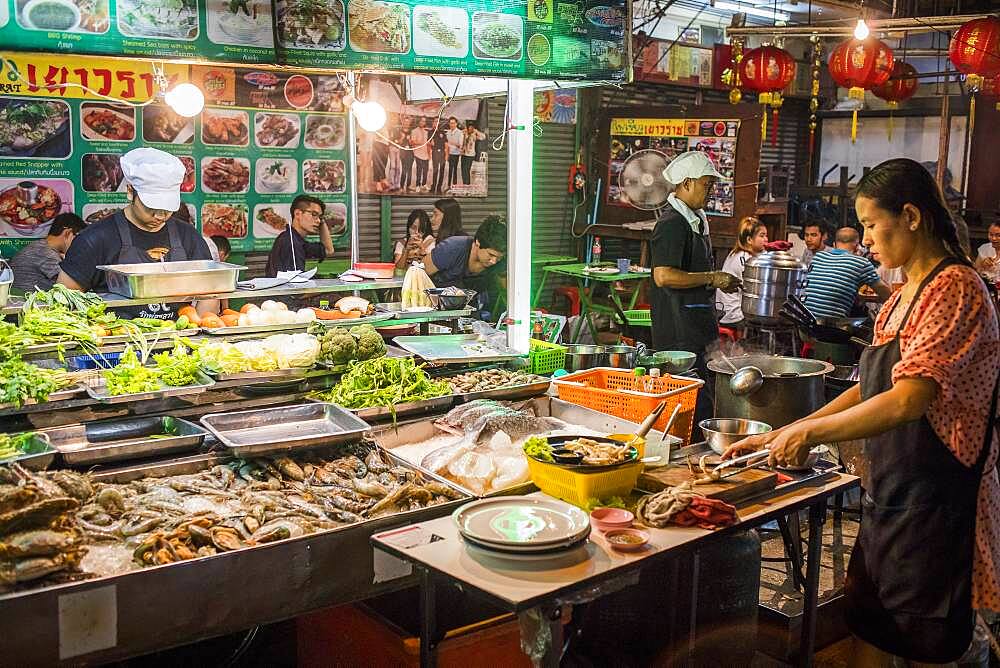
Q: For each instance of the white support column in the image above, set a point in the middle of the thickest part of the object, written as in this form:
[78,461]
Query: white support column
[520,145]
[352,179]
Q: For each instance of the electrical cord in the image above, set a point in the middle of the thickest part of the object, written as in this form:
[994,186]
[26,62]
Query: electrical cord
[158,75]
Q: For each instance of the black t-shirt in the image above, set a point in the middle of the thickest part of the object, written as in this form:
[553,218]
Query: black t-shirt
[100,244]
[280,257]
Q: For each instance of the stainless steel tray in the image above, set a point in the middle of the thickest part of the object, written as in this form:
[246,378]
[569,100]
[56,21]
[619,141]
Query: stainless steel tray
[164,335]
[118,440]
[37,461]
[277,374]
[513,392]
[284,428]
[256,329]
[60,395]
[98,391]
[171,279]
[351,322]
[381,412]
[452,348]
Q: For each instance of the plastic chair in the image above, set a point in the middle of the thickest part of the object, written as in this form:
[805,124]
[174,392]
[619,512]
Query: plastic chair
[729,333]
[572,295]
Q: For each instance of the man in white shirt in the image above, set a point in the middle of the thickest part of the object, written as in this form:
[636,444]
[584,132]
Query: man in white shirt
[454,137]
[988,256]
[421,152]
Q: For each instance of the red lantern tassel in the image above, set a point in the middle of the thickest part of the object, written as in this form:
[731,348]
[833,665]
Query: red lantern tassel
[972,114]
[774,128]
[763,125]
[854,127]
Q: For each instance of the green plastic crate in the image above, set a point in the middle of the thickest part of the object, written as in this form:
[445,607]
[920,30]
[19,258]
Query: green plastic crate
[546,357]
[638,318]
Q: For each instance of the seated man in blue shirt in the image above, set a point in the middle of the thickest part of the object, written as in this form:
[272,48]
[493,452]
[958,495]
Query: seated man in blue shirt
[473,263]
[835,277]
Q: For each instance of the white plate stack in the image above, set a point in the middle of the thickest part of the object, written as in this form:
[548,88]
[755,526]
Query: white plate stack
[521,528]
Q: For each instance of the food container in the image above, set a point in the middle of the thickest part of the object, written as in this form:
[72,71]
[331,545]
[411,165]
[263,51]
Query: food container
[374,269]
[546,357]
[443,302]
[608,519]
[723,432]
[40,458]
[621,357]
[171,279]
[115,440]
[580,357]
[97,389]
[768,280]
[627,540]
[575,486]
[284,428]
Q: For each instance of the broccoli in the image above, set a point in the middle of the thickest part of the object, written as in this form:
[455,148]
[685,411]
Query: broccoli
[370,343]
[358,330]
[339,347]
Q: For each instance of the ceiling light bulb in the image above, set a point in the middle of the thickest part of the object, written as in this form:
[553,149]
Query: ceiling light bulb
[186,99]
[371,115]
[861,30]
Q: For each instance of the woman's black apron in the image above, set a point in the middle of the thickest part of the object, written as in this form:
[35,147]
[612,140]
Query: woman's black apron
[909,581]
[130,254]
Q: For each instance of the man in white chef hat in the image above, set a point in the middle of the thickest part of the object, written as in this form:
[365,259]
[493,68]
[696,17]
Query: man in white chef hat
[143,231]
[683,299]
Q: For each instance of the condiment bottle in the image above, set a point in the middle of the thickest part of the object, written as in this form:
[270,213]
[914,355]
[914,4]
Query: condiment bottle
[641,381]
[595,251]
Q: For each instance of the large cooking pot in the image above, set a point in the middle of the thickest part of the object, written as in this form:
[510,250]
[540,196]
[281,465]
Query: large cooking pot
[768,280]
[793,388]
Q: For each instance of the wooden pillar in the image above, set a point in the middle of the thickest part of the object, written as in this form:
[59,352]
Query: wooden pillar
[944,136]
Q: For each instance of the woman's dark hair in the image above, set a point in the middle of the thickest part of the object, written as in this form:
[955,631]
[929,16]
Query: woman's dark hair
[451,225]
[901,181]
[746,231]
[425,222]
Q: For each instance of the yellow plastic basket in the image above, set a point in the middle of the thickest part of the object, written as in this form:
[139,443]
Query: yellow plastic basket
[576,487]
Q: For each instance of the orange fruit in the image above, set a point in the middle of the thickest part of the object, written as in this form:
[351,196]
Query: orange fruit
[231,319]
[211,321]
[246,307]
[230,311]
[191,313]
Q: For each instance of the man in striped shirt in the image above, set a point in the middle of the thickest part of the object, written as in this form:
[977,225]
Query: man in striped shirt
[835,276]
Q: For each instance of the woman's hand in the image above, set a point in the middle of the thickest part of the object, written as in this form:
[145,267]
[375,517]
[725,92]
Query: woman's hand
[788,445]
[750,444]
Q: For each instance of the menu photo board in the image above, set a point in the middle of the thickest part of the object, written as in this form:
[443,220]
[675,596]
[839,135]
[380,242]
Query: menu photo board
[671,137]
[580,40]
[261,140]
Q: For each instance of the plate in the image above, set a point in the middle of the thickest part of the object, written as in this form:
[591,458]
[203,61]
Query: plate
[418,309]
[573,555]
[601,270]
[517,521]
[528,549]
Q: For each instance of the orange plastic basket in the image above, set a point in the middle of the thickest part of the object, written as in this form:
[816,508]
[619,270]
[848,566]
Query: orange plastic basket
[612,391]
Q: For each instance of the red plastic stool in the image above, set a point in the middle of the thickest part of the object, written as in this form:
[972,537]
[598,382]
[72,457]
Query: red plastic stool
[572,295]
[729,333]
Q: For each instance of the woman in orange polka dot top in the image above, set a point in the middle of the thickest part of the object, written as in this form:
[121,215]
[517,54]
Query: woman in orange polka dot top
[928,551]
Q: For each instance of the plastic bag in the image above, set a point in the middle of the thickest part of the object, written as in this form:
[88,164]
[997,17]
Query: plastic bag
[415,282]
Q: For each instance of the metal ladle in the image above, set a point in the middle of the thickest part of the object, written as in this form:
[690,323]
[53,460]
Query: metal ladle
[745,380]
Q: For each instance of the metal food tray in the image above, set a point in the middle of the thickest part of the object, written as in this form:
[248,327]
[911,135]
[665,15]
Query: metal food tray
[256,329]
[409,408]
[106,441]
[171,279]
[447,348]
[277,374]
[284,428]
[38,461]
[166,334]
[64,394]
[351,322]
[98,391]
[511,392]
[392,437]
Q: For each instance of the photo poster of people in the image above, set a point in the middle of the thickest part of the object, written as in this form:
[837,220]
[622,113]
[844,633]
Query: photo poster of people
[423,149]
[671,137]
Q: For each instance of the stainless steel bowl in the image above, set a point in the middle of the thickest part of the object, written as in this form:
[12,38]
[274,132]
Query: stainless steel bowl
[444,302]
[723,432]
[580,357]
[621,356]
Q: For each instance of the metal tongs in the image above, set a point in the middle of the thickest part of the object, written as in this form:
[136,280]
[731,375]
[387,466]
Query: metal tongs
[757,458]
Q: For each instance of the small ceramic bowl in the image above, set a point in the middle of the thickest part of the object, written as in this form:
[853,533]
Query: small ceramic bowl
[610,519]
[566,456]
[627,540]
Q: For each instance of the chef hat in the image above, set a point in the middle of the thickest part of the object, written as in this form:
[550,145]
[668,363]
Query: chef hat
[156,177]
[690,165]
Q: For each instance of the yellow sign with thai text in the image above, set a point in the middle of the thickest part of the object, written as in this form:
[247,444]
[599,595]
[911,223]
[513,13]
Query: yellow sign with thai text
[649,127]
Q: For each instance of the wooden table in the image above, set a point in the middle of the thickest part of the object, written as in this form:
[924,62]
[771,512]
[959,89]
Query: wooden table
[587,304]
[440,555]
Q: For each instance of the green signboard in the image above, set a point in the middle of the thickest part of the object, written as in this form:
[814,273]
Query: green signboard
[262,139]
[581,40]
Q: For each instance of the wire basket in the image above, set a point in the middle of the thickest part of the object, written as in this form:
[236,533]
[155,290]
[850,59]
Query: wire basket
[546,357]
[614,392]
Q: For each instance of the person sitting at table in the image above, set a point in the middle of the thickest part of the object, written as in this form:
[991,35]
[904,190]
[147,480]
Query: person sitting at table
[446,219]
[750,240]
[291,250]
[814,235]
[36,266]
[849,239]
[835,276]
[418,241]
[473,263]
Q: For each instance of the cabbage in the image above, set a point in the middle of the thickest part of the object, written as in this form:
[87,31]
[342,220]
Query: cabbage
[261,358]
[223,357]
[293,350]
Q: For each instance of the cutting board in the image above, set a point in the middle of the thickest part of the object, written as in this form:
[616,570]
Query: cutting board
[731,490]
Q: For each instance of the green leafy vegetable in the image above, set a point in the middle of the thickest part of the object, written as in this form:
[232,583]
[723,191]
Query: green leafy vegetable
[21,381]
[384,381]
[539,448]
[130,376]
[12,340]
[610,502]
[27,443]
[177,367]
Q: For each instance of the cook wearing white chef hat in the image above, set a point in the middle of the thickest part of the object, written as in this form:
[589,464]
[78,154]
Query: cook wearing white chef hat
[682,303]
[154,186]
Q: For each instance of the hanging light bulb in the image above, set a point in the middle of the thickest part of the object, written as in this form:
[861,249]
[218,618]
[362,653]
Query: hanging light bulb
[371,115]
[861,30]
[186,99]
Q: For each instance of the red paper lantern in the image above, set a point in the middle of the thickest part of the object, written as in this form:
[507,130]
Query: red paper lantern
[859,65]
[767,70]
[900,87]
[975,48]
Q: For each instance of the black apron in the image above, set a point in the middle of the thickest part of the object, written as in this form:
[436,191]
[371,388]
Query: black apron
[129,254]
[909,581]
[685,319]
